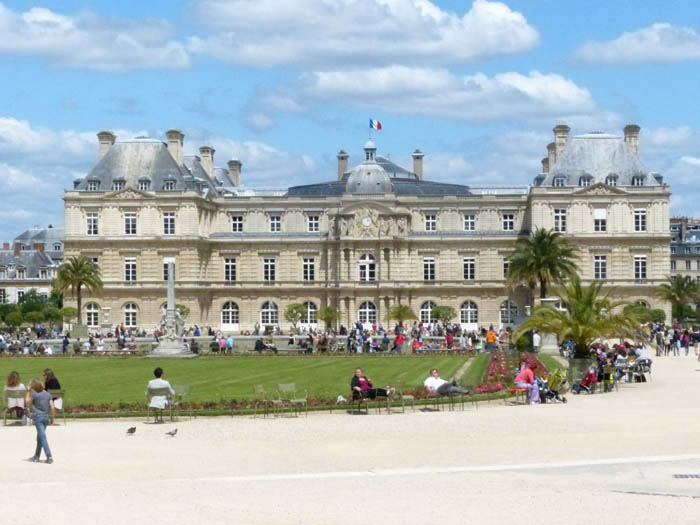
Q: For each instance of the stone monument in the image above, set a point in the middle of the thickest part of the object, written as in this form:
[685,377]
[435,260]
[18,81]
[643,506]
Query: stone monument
[171,344]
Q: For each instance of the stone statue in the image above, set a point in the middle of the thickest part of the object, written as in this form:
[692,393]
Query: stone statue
[171,344]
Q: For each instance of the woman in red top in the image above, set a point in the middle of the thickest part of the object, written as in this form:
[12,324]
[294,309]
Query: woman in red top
[526,379]
[362,387]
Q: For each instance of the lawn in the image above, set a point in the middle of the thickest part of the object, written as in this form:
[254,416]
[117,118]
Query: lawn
[106,380]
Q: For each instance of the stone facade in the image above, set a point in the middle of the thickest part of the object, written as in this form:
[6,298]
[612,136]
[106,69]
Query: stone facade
[374,236]
[685,247]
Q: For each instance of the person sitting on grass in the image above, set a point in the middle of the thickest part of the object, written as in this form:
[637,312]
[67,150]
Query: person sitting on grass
[362,387]
[159,401]
[526,379]
[436,386]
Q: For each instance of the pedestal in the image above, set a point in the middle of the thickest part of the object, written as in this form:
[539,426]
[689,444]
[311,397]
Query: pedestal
[549,343]
[171,348]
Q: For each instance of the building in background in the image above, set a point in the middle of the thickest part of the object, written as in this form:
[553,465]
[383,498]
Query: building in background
[376,235]
[685,247]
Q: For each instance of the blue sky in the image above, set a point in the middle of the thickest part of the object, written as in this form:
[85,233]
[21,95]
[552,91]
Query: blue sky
[281,85]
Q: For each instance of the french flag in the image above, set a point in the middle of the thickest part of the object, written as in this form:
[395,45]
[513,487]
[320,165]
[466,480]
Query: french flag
[375,124]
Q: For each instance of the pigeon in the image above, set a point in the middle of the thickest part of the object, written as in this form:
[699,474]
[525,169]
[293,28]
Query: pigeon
[131,431]
[172,433]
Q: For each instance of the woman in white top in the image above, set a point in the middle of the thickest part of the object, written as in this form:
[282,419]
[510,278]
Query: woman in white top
[15,404]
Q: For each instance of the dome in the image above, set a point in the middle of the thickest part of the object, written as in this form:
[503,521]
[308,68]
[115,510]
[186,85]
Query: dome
[370,145]
[368,178]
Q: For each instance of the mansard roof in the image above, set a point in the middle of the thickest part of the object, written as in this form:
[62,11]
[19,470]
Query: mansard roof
[30,260]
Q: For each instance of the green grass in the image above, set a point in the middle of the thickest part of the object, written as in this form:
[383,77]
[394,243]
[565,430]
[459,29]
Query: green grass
[106,380]
[474,376]
[550,363]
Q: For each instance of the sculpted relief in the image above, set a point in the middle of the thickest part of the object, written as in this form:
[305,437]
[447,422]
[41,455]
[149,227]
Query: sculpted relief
[369,223]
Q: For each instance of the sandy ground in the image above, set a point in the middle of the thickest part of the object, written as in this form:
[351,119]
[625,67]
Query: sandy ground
[603,458]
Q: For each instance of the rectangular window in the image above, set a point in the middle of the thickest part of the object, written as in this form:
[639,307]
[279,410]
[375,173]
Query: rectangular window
[506,267]
[130,223]
[144,185]
[600,267]
[600,219]
[687,250]
[229,270]
[165,271]
[94,260]
[560,220]
[313,223]
[20,294]
[558,182]
[236,223]
[93,185]
[130,269]
[268,270]
[169,223]
[3,296]
[430,223]
[673,265]
[687,265]
[673,250]
[428,268]
[92,222]
[469,223]
[169,185]
[698,267]
[2,273]
[640,220]
[309,273]
[118,185]
[21,273]
[469,268]
[44,274]
[275,223]
[640,267]
[508,222]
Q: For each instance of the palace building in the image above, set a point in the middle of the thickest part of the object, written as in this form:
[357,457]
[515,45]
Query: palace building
[376,235]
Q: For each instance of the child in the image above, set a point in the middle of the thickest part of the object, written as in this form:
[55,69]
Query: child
[41,403]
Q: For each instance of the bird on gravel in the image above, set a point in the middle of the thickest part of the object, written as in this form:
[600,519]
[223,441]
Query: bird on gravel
[172,433]
[131,431]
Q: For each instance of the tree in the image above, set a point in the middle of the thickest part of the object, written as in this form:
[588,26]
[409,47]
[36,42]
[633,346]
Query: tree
[657,315]
[294,313]
[184,310]
[679,290]
[68,313]
[586,315]
[76,273]
[443,314]
[34,318]
[31,301]
[53,315]
[545,257]
[328,315]
[14,319]
[401,313]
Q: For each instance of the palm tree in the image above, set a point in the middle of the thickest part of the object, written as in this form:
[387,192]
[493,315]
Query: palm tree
[400,313]
[586,315]
[679,291]
[544,257]
[76,273]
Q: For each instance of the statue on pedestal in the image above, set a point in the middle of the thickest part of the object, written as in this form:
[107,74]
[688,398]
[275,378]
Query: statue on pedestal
[171,344]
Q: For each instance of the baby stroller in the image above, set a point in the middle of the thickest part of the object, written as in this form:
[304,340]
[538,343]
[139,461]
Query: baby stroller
[553,390]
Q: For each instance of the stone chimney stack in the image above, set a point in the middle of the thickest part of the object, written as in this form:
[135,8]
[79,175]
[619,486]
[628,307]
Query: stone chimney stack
[176,140]
[632,137]
[106,140]
[342,163]
[561,137]
[234,169]
[552,154]
[206,154]
[6,246]
[545,165]
[39,246]
[418,163]
[17,248]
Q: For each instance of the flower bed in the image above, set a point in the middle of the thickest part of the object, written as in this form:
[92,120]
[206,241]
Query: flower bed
[501,370]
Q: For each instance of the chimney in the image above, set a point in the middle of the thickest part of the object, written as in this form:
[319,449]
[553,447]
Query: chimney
[6,246]
[106,140]
[418,164]
[561,137]
[552,154]
[207,155]
[176,145]
[632,137]
[545,165]
[18,248]
[234,170]
[342,163]
[39,246]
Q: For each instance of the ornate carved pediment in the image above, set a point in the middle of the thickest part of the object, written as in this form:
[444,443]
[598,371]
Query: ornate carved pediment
[127,193]
[600,189]
[370,222]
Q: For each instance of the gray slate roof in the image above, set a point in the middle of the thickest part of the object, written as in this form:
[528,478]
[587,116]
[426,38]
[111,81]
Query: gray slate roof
[31,260]
[48,236]
[597,155]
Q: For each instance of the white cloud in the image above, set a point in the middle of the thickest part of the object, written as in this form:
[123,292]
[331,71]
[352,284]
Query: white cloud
[357,32]
[87,41]
[656,43]
[403,90]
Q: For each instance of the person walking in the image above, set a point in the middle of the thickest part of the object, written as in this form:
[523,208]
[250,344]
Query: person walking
[41,404]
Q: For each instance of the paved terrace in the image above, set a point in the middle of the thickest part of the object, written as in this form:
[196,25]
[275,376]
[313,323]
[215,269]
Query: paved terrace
[603,458]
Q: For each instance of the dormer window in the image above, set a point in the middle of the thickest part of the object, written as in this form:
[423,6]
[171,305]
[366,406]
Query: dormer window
[611,180]
[93,185]
[638,180]
[558,182]
[144,184]
[118,185]
[585,181]
[169,185]
[21,273]
[57,247]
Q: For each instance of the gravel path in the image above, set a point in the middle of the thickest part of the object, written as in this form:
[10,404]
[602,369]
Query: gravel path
[608,458]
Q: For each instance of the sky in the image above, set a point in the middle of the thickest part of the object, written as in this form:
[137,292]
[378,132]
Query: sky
[284,85]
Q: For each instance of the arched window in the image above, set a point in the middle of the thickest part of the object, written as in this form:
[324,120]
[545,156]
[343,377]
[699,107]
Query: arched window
[367,313]
[469,313]
[509,312]
[92,315]
[269,313]
[426,312]
[311,310]
[130,311]
[642,303]
[368,267]
[229,315]
[611,180]
[57,247]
